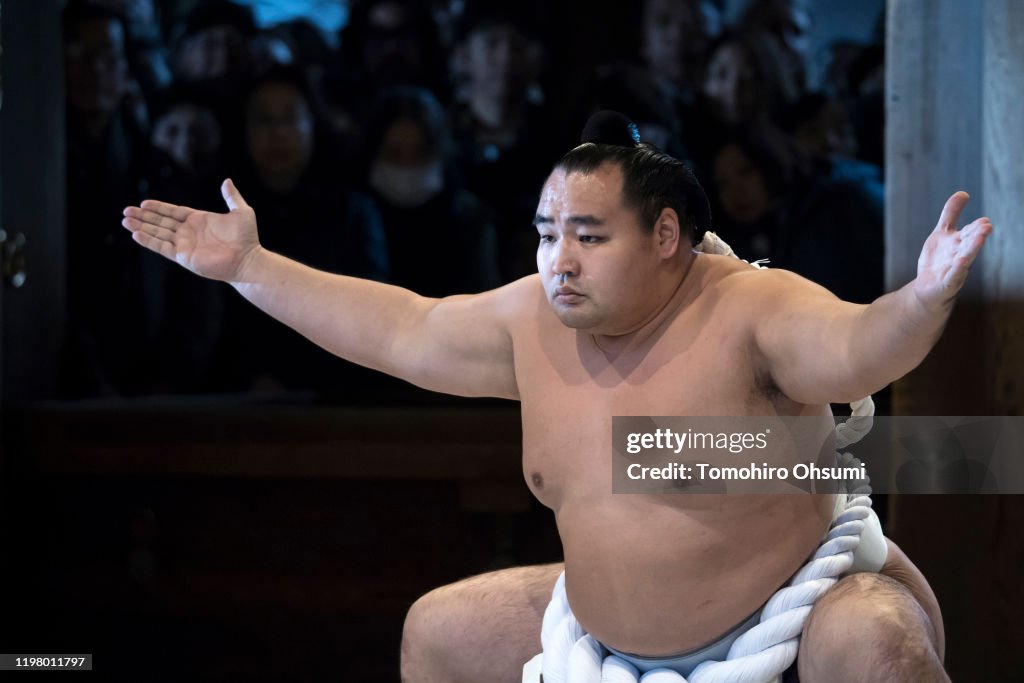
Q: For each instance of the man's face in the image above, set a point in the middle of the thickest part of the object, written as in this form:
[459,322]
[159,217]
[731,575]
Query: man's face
[730,84]
[213,52]
[499,59]
[279,128]
[97,69]
[588,233]
[673,35]
[190,134]
[392,52]
[741,186]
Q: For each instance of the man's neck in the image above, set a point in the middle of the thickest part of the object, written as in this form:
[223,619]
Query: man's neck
[678,290]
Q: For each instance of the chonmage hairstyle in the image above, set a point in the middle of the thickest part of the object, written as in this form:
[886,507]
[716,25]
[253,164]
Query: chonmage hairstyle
[651,179]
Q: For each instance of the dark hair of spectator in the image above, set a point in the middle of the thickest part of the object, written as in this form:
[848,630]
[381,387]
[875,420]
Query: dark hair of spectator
[870,59]
[651,182]
[803,110]
[80,11]
[209,13]
[310,44]
[632,89]
[772,154]
[354,34]
[409,103]
[524,16]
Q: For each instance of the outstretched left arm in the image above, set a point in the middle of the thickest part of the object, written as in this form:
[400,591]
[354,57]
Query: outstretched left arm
[819,349]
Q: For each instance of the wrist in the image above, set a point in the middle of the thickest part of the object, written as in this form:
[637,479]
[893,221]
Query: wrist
[928,306]
[250,266]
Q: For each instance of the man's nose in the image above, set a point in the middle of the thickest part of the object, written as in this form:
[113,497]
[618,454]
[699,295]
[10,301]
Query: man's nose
[566,259]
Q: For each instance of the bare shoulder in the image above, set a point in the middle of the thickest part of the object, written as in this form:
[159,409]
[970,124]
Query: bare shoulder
[510,310]
[465,344]
[517,301]
[764,288]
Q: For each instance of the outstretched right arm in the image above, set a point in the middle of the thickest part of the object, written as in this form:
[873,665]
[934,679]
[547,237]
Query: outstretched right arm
[458,345]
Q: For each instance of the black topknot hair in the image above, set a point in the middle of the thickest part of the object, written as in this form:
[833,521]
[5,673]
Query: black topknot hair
[651,179]
[610,128]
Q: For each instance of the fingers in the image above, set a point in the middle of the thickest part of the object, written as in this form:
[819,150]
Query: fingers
[972,238]
[135,225]
[152,218]
[178,213]
[951,211]
[162,247]
[232,197]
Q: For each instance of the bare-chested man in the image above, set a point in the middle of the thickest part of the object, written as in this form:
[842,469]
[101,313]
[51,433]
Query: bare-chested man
[624,318]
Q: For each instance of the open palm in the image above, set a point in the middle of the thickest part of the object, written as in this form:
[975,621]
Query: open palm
[948,254]
[214,245]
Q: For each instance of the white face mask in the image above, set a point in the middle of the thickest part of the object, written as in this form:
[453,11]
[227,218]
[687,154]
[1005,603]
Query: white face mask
[407,186]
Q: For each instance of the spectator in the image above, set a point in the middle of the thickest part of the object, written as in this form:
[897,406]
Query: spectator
[292,177]
[187,133]
[829,231]
[212,53]
[185,167]
[268,49]
[502,125]
[146,48]
[823,133]
[674,41]
[310,48]
[867,108]
[784,26]
[388,43]
[741,90]
[319,62]
[821,127]
[105,350]
[441,239]
[750,180]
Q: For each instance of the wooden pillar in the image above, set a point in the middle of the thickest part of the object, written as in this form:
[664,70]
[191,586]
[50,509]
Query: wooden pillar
[1003,144]
[953,74]
[1003,282]
[933,133]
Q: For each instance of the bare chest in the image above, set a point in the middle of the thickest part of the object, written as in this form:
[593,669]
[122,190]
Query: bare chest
[570,390]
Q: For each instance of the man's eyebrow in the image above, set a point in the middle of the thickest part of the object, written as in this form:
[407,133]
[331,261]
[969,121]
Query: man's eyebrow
[586,219]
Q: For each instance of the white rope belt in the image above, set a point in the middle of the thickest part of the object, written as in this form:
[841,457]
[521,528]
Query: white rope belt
[760,655]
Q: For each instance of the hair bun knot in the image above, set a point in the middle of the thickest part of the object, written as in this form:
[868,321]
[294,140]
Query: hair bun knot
[610,128]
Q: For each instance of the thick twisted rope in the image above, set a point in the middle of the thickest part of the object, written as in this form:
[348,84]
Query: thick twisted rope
[760,655]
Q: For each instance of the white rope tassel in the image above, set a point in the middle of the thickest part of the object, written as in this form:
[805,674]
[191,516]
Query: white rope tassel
[858,425]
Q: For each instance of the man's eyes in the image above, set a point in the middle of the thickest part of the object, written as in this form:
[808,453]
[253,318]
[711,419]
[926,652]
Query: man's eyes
[586,239]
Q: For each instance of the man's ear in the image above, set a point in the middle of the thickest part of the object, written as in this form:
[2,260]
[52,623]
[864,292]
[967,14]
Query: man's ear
[667,233]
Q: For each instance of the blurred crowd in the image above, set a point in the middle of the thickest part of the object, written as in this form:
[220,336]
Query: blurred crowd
[410,148]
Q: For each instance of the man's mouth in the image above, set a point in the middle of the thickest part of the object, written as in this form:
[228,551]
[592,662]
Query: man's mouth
[568,295]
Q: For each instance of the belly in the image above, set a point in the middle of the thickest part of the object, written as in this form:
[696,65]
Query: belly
[649,575]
